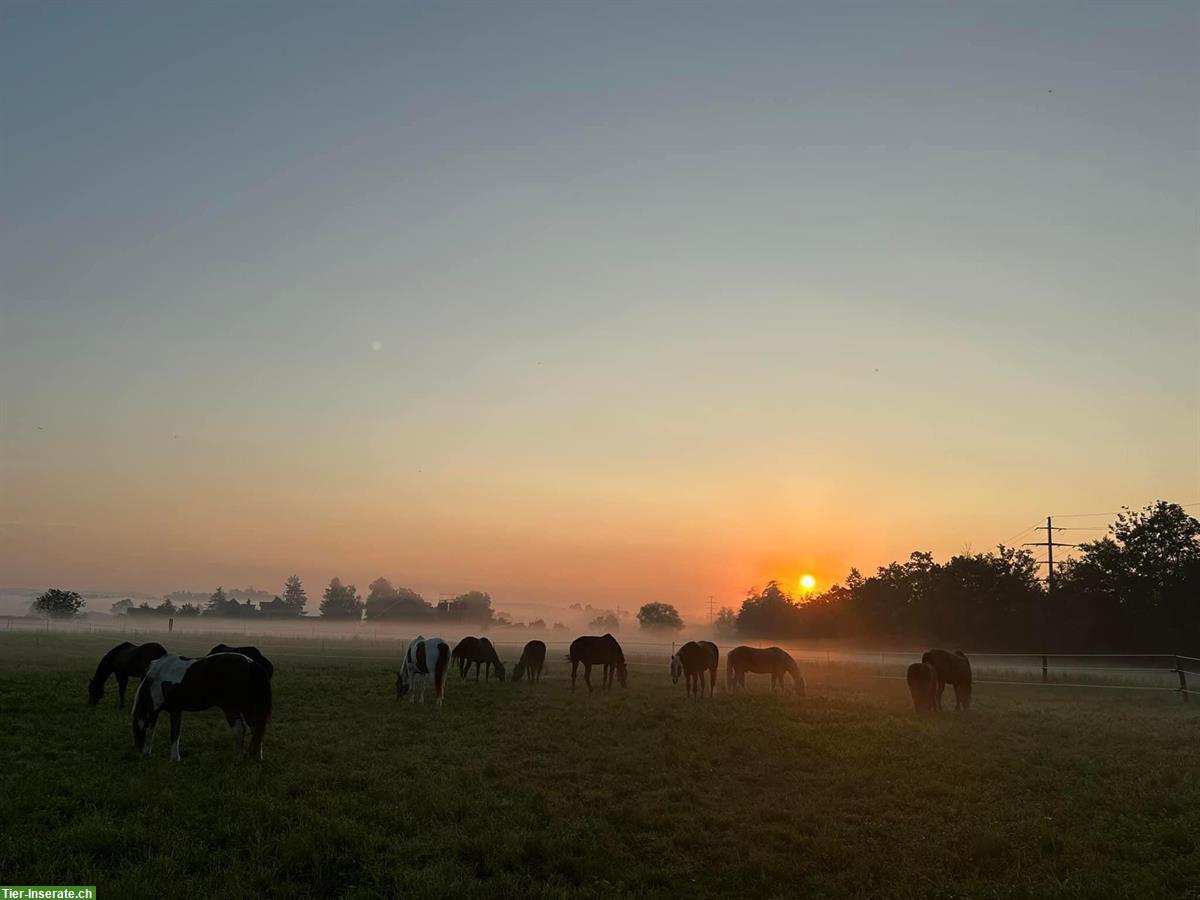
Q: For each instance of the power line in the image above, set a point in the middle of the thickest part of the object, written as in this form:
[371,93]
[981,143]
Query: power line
[1049,544]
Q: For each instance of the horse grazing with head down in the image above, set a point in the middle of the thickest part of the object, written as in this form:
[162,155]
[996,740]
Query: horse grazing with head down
[693,660]
[468,647]
[176,684]
[592,650]
[952,668]
[772,661]
[923,685]
[125,661]
[426,658]
[251,652]
[480,652]
[533,657]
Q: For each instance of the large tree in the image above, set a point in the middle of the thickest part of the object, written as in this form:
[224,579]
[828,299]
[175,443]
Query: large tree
[385,601]
[294,597]
[659,617]
[60,604]
[341,601]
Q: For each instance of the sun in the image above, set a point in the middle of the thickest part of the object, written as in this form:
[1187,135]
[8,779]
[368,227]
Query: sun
[808,582]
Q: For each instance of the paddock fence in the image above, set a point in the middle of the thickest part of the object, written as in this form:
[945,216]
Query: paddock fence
[1150,672]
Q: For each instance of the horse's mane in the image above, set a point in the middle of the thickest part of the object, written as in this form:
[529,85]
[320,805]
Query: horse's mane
[106,666]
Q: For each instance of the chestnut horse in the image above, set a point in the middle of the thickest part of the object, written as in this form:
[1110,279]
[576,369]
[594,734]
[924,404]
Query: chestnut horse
[952,668]
[693,660]
[593,650]
[533,657]
[923,684]
[772,661]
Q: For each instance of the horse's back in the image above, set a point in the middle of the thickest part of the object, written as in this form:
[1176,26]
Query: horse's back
[952,668]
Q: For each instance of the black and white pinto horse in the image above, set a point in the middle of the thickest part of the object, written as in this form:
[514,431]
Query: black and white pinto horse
[593,650]
[425,658]
[176,684]
[693,660]
[125,661]
[253,652]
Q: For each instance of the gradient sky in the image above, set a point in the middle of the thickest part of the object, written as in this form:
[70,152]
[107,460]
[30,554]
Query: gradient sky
[602,302]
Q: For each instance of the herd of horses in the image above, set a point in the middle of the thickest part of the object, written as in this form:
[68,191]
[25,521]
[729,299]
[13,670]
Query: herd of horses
[237,680]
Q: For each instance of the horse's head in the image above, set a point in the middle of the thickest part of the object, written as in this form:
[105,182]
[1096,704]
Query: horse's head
[622,672]
[519,669]
[403,682]
[95,692]
[676,668]
[500,670]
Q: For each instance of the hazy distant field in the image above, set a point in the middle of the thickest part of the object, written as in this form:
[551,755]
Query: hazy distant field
[524,790]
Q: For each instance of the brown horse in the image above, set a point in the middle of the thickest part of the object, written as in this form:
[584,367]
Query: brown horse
[923,684]
[952,668]
[480,652]
[693,660]
[125,661]
[533,657]
[771,661]
[593,650]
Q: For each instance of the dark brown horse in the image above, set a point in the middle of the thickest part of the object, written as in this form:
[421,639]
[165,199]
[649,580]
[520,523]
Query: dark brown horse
[923,684]
[480,652]
[952,668]
[771,661]
[125,661]
[467,647]
[693,660]
[533,657]
[593,650]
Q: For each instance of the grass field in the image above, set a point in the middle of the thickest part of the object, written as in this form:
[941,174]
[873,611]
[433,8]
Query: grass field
[526,790]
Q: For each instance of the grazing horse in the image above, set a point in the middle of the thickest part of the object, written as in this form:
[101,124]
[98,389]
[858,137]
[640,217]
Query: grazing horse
[693,660]
[923,684]
[952,668]
[125,661]
[480,652]
[252,652]
[425,657]
[772,661]
[464,653]
[597,651]
[176,684]
[533,657]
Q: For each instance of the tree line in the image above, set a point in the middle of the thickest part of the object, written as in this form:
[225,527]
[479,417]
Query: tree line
[1135,589]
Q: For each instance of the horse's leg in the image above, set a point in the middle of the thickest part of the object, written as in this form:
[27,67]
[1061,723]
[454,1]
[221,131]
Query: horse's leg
[176,724]
[258,729]
[587,675]
[477,672]
[574,671]
[122,680]
[237,727]
[941,686]
[712,680]
[487,671]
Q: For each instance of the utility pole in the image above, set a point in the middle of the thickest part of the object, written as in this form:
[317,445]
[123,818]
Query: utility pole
[1049,544]
[710,610]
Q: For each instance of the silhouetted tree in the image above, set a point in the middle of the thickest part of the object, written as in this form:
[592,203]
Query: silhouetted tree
[341,601]
[725,624]
[606,621]
[294,597]
[387,602]
[659,617]
[121,607]
[59,604]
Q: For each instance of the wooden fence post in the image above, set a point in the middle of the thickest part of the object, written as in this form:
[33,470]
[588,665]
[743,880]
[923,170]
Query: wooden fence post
[1045,669]
[1183,691]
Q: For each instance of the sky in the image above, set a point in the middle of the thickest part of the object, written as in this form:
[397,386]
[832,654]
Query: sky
[599,302]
